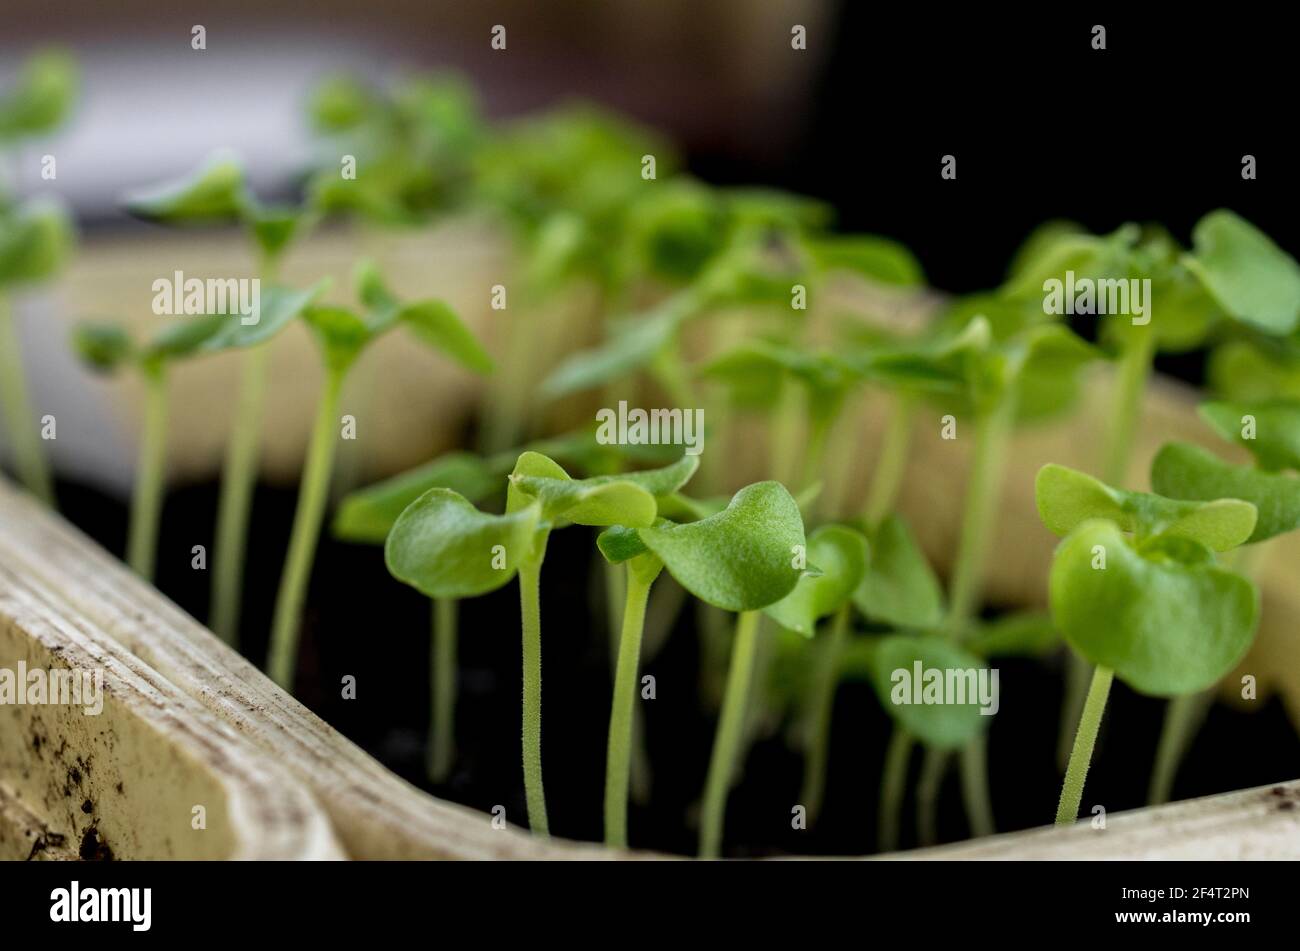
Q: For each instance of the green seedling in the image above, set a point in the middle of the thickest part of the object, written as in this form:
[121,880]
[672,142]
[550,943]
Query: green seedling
[107,348]
[395,156]
[1234,280]
[744,558]
[446,548]
[1184,471]
[217,194]
[35,240]
[981,374]
[841,556]
[1135,589]
[368,515]
[342,335]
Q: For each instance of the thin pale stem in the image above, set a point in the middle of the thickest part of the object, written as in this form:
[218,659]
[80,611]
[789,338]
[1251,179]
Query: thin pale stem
[892,461]
[312,496]
[731,725]
[975,785]
[146,501]
[983,492]
[238,479]
[20,422]
[823,705]
[933,766]
[618,761]
[442,685]
[530,611]
[1183,717]
[1081,756]
[893,781]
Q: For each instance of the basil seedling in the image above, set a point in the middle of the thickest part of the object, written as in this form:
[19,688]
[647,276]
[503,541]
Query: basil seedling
[217,193]
[107,348]
[35,239]
[1153,609]
[342,335]
[744,558]
[446,548]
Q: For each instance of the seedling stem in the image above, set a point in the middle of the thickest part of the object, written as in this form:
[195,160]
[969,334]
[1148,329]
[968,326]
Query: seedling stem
[442,725]
[731,723]
[19,420]
[146,502]
[306,530]
[1081,755]
[618,763]
[530,608]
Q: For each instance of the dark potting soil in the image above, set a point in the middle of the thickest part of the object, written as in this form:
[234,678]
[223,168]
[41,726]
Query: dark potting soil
[359,622]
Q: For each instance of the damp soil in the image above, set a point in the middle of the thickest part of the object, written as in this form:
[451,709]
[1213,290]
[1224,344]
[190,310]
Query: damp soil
[360,623]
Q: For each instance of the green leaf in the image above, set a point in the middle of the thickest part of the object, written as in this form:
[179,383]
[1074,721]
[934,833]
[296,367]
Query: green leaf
[446,548]
[1269,429]
[368,514]
[676,230]
[1057,248]
[35,241]
[899,587]
[942,365]
[435,323]
[878,259]
[104,347]
[42,97]
[341,334]
[214,193]
[1183,471]
[278,306]
[182,337]
[624,499]
[1021,634]
[273,228]
[944,725]
[618,544]
[840,553]
[740,559]
[1165,626]
[341,102]
[1067,497]
[634,345]
[1240,370]
[1253,279]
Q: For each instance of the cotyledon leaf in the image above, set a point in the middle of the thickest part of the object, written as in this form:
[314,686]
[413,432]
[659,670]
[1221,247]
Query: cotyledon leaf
[1067,497]
[623,499]
[741,559]
[899,586]
[368,514]
[446,548]
[840,554]
[1253,279]
[277,307]
[1166,627]
[918,679]
[1184,471]
[1269,429]
[215,192]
